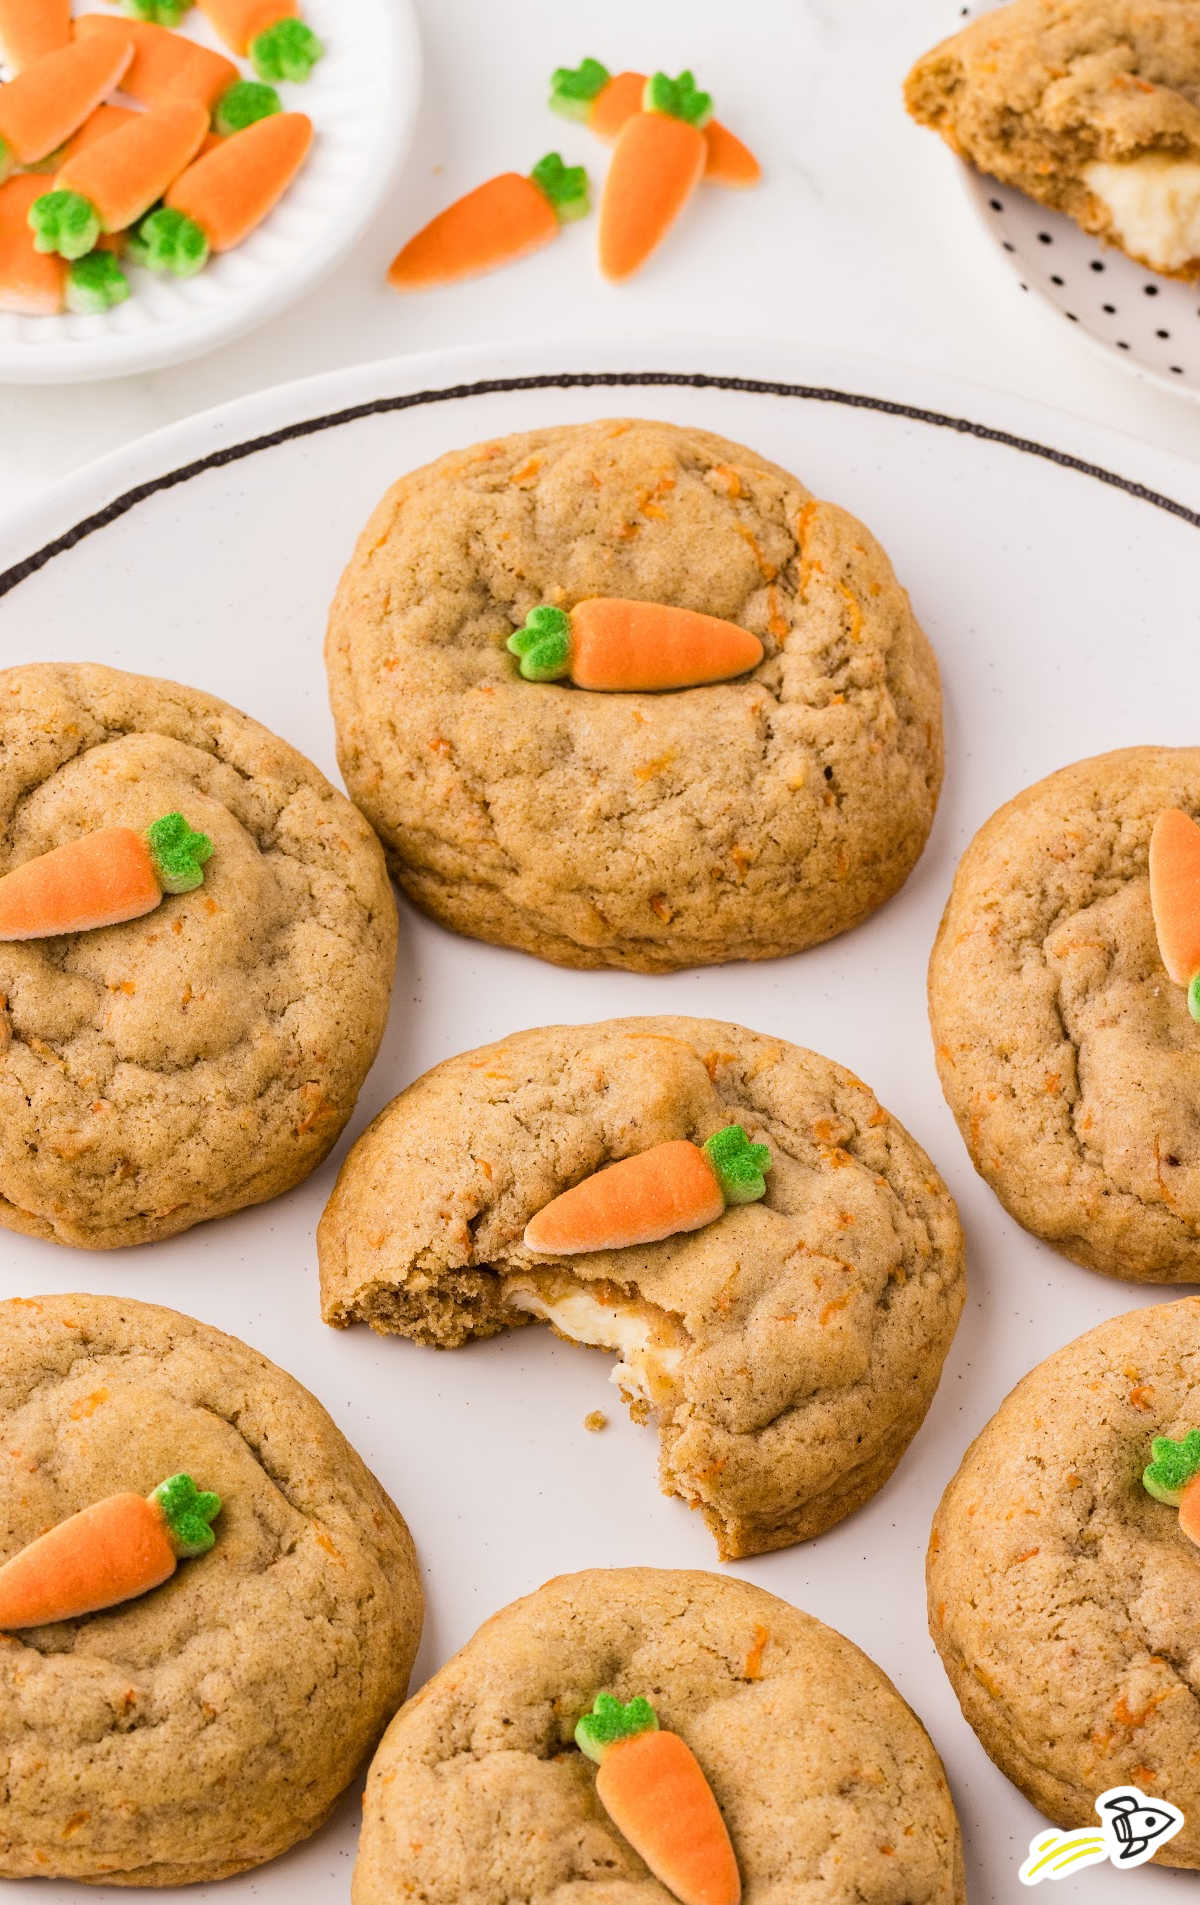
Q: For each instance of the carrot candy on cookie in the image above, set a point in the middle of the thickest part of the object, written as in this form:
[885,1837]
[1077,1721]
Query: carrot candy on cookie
[610,644]
[102,879]
[268,32]
[673,1187]
[108,186]
[222,198]
[499,222]
[1173,1477]
[46,103]
[38,284]
[165,66]
[1175,899]
[604,101]
[653,1788]
[29,29]
[113,1551]
[657,164]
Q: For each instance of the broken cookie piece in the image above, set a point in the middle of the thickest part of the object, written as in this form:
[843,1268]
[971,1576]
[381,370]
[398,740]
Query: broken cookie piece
[787,1350]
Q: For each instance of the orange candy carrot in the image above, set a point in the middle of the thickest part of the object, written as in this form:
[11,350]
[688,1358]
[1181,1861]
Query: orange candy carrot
[220,199]
[653,1789]
[500,221]
[604,101]
[101,879]
[104,120]
[45,104]
[108,186]
[111,1552]
[1175,899]
[29,29]
[611,644]
[657,164]
[165,66]
[37,284]
[673,1187]
[269,33]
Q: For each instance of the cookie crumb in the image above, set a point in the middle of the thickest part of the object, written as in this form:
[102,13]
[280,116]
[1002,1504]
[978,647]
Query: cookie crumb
[596,1422]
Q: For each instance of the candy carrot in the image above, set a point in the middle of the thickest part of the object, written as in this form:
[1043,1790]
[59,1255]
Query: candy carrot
[503,220]
[1173,1477]
[29,29]
[673,1187]
[107,187]
[111,1552]
[36,284]
[629,647]
[1175,899]
[604,101]
[102,879]
[653,1788]
[269,33]
[658,161]
[104,120]
[44,105]
[165,66]
[218,201]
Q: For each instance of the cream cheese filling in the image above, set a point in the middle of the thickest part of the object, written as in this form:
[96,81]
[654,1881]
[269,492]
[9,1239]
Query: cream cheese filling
[646,1367]
[1154,204]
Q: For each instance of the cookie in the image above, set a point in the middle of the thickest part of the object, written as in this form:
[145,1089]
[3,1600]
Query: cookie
[827,1782]
[1062,1596]
[789,1349]
[211,1723]
[740,820]
[1067,1055]
[1092,107]
[204,1057]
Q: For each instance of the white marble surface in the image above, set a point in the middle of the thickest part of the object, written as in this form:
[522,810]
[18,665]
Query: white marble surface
[859,237]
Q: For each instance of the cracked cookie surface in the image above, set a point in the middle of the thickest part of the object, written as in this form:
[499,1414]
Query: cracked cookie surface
[1039,92]
[205,1057]
[211,1724]
[1062,1597]
[1068,1057]
[789,1351]
[649,831]
[829,1785]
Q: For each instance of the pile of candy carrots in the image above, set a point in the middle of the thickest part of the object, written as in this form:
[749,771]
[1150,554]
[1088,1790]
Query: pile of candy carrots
[190,168]
[665,141]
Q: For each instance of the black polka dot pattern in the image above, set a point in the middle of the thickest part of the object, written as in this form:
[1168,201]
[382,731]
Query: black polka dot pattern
[1151,322]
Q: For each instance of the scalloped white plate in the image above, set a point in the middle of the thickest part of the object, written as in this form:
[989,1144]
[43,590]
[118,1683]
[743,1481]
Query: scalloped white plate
[362,99]
[1046,558]
[1151,324]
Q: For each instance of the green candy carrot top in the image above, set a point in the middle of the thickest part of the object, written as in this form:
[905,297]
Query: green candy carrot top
[679,98]
[610,644]
[575,89]
[654,1790]
[1173,1477]
[159,12]
[102,879]
[671,1188]
[287,50]
[114,1551]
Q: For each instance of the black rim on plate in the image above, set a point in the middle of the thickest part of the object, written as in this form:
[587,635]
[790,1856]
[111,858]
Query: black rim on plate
[571,380]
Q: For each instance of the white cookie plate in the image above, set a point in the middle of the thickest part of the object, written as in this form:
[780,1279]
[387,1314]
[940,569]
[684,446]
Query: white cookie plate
[362,98]
[1149,322]
[1047,560]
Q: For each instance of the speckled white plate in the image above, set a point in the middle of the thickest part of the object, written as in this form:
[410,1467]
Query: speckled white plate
[362,98]
[1151,323]
[210,551]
